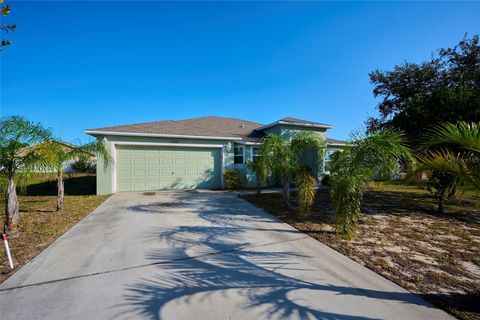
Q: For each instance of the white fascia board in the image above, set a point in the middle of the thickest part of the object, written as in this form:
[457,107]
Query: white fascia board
[156,135]
[161,144]
[336,144]
[249,143]
[297,124]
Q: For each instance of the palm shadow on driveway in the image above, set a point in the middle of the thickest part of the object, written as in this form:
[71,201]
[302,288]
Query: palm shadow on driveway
[215,258]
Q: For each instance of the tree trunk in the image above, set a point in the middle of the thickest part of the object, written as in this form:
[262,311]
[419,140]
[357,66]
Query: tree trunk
[440,208]
[441,200]
[60,191]
[12,213]
[452,193]
[286,192]
[257,184]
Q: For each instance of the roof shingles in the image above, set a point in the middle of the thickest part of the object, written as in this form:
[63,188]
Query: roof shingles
[204,126]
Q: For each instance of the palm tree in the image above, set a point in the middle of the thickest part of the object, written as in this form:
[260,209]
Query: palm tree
[57,154]
[366,156]
[259,168]
[17,161]
[283,157]
[305,183]
[456,151]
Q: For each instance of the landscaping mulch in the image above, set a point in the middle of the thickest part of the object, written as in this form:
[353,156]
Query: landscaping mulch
[401,237]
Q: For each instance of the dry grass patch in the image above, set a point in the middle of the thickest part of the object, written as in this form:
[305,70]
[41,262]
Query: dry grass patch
[40,224]
[401,237]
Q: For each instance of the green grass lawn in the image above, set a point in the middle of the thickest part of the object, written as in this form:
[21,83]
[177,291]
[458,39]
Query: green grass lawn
[401,237]
[40,224]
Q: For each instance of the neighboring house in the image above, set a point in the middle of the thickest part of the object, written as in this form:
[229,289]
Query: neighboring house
[193,153]
[68,165]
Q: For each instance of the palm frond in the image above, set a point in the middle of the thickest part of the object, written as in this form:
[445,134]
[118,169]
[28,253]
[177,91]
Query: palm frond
[447,161]
[25,133]
[462,134]
[308,140]
[17,136]
[259,167]
[457,151]
[98,148]
[367,155]
[305,183]
[283,158]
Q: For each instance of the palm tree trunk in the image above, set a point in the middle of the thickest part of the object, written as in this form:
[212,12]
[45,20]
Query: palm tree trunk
[60,191]
[286,192]
[441,200]
[257,184]
[12,213]
[440,208]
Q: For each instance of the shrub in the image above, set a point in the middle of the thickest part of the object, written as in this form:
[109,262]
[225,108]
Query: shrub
[439,186]
[84,165]
[232,179]
[305,190]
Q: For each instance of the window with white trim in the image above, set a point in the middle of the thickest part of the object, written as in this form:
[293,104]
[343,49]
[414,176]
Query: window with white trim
[255,152]
[326,160]
[238,152]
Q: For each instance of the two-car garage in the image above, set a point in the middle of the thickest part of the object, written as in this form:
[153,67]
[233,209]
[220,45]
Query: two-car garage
[150,167]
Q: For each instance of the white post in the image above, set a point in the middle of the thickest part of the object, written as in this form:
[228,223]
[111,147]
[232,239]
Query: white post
[7,248]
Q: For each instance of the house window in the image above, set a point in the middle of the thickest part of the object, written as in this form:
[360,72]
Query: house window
[238,152]
[255,152]
[326,160]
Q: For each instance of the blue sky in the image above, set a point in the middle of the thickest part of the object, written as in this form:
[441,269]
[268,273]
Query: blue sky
[75,65]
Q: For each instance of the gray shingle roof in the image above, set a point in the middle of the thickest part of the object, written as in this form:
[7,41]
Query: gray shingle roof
[204,126]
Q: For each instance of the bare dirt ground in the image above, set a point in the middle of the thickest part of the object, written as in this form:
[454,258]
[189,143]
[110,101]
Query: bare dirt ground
[401,237]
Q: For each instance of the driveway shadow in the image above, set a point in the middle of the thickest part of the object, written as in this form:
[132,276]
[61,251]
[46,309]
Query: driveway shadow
[257,275]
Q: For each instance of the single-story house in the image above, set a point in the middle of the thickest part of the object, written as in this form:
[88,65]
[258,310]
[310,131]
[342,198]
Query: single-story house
[193,153]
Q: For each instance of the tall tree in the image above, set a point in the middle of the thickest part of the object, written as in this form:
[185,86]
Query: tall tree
[416,96]
[17,161]
[5,28]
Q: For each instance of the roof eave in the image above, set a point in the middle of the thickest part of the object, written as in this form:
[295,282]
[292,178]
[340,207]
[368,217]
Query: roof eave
[336,144]
[155,135]
[297,124]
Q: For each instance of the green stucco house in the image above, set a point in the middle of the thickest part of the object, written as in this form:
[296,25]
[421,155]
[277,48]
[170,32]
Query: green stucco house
[193,153]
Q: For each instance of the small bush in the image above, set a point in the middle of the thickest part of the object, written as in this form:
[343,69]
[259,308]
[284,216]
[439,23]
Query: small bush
[84,165]
[439,186]
[232,179]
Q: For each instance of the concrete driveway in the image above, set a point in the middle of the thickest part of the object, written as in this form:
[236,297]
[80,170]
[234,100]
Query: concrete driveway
[197,255]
